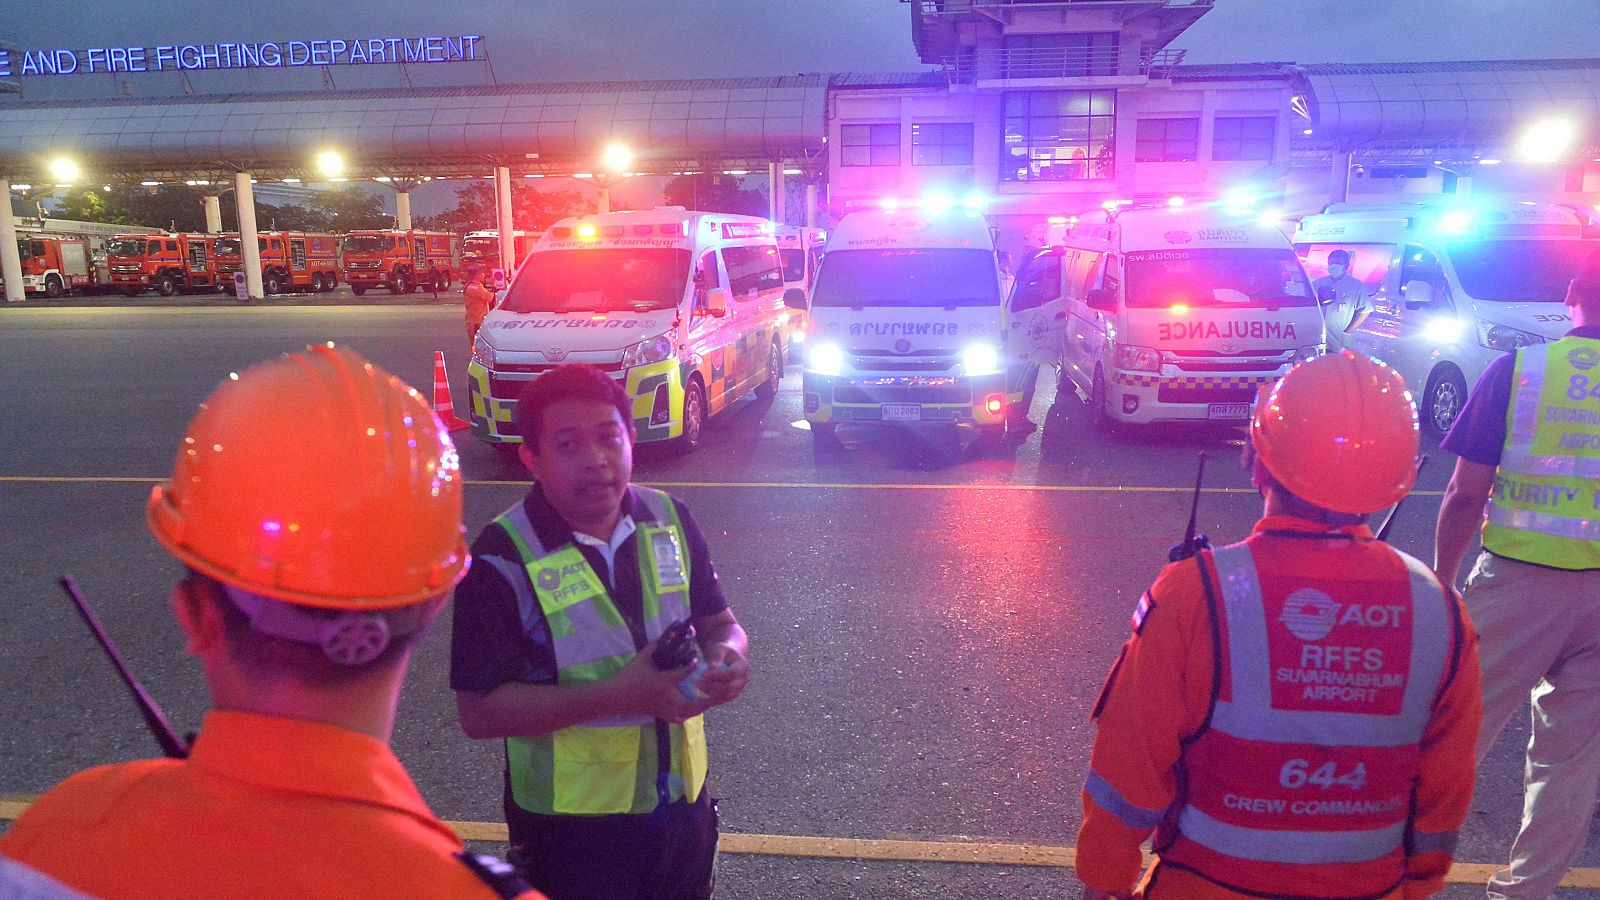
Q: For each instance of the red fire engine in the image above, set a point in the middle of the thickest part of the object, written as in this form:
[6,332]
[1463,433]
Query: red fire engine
[482,248]
[54,266]
[399,260]
[167,262]
[290,261]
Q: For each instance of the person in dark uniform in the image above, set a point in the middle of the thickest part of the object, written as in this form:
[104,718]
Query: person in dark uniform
[555,628]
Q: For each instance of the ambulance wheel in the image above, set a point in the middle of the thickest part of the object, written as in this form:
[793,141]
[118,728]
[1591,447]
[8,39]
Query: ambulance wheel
[824,436]
[694,418]
[768,389]
[1098,398]
[358,289]
[1443,401]
[52,287]
[166,285]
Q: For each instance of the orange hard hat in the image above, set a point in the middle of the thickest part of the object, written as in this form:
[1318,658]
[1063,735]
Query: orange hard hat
[1340,432]
[318,479]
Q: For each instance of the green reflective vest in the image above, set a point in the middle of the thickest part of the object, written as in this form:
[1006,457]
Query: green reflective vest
[606,766]
[1545,508]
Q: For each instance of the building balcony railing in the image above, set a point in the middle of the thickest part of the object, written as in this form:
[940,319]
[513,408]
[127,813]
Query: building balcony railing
[1002,65]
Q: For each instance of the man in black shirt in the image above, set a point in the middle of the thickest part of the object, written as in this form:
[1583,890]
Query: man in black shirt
[555,625]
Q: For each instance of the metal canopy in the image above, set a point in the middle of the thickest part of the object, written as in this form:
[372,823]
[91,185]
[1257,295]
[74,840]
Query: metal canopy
[1449,108]
[670,126]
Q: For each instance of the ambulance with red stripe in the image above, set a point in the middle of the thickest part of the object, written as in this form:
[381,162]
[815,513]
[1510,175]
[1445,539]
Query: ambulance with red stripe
[1174,314]
[686,310]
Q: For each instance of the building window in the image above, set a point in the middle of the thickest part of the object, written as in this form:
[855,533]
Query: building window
[1059,135]
[1243,137]
[941,144]
[869,145]
[1167,140]
[1060,55]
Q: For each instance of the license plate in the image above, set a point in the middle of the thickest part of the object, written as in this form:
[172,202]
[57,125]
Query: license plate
[1229,412]
[902,412]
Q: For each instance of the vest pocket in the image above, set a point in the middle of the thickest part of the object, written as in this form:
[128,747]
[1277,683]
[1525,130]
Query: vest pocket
[694,757]
[595,770]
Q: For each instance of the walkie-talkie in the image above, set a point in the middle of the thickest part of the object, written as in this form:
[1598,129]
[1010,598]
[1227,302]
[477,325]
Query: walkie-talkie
[1192,543]
[677,647]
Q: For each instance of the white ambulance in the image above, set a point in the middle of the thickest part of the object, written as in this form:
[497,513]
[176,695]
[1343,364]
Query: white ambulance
[907,322]
[1453,285]
[1179,314]
[800,251]
[686,310]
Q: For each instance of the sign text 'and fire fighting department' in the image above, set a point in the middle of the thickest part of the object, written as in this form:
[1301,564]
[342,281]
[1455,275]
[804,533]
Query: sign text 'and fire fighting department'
[256,55]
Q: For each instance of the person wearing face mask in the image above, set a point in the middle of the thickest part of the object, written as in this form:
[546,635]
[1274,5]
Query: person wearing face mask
[1344,300]
[573,587]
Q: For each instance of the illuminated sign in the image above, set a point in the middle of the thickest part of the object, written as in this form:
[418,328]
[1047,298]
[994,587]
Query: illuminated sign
[743,230]
[259,55]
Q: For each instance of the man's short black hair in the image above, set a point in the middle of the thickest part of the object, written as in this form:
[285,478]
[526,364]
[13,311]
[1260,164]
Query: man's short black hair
[1341,257]
[1589,276]
[576,382]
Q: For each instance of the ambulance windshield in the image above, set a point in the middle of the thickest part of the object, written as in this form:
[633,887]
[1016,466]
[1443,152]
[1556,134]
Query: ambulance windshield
[1519,271]
[125,247]
[1226,278]
[896,277]
[600,279]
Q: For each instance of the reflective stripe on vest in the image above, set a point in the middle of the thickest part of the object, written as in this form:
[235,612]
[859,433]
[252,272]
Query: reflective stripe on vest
[1312,746]
[1545,508]
[604,766]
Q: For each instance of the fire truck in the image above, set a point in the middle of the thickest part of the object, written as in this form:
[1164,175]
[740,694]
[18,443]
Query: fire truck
[53,266]
[482,248]
[169,263]
[290,261]
[399,260]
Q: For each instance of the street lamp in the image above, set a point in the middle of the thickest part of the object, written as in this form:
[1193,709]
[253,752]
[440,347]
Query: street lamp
[1547,141]
[330,163]
[615,160]
[64,170]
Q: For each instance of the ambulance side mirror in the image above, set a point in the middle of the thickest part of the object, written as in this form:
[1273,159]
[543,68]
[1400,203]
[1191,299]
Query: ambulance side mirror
[794,298]
[717,302]
[1419,294]
[1103,299]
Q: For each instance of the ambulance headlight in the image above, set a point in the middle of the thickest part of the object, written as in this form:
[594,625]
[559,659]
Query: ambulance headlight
[647,351]
[825,358]
[1444,330]
[482,352]
[1138,359]
[980,359]
[1503,337]
[1305,354]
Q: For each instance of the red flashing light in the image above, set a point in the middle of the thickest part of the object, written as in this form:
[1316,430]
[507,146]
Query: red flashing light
[995,404]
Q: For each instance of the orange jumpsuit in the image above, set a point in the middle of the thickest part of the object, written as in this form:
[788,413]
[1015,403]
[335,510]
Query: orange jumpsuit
[263,807]
[478,299]
[1160,693]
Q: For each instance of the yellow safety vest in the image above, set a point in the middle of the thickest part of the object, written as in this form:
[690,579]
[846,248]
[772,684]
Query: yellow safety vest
[605,766]
[1545,508]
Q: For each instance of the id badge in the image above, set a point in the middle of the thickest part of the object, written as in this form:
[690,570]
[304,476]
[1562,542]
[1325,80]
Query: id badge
[668,558]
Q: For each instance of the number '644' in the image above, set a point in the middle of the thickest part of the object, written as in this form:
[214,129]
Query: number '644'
[1297,773]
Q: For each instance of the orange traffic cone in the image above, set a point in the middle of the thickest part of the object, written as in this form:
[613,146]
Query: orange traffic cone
[443,406]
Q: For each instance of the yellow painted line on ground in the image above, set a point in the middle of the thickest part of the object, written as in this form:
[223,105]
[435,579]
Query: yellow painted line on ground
[776,485]
[972,853]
